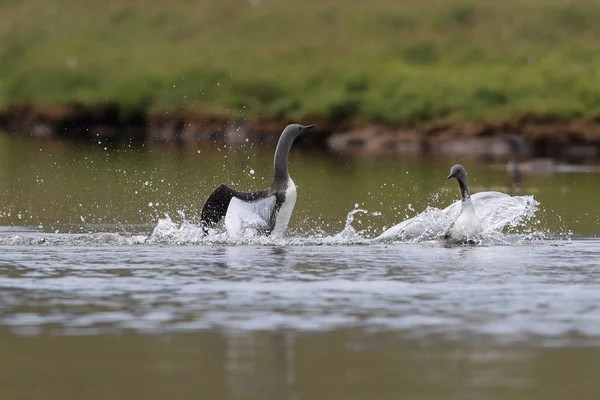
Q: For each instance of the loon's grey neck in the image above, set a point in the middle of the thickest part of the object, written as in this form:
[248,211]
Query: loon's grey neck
[464,188]
[280,163]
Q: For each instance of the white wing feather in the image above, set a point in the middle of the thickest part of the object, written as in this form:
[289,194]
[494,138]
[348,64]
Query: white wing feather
[248,215]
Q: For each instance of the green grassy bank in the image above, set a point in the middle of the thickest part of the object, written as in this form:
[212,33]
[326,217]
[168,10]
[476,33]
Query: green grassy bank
[374,61]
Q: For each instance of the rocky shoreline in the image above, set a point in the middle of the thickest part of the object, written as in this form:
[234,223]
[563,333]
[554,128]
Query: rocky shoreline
[540,137]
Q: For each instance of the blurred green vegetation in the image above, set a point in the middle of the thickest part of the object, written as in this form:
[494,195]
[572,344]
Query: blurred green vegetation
[379,61]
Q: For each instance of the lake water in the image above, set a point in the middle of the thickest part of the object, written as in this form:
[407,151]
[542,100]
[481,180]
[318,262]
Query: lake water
[108,291]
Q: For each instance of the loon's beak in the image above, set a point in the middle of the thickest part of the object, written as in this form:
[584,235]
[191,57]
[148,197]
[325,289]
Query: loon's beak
[307,127]
[450,176]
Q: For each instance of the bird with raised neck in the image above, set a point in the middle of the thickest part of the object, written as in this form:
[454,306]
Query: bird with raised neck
[265,211]
[466,226]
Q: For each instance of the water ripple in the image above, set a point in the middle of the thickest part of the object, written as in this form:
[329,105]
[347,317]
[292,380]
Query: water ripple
[548,289]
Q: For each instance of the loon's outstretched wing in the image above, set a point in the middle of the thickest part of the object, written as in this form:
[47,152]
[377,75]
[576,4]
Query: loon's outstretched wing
[216,205]
[257,215]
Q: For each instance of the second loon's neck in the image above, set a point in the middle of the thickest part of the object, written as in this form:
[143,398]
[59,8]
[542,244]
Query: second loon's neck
[464,189]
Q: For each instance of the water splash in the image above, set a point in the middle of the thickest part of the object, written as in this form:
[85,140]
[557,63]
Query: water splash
[501,216]
[168,231]
[348,235]
[505,220]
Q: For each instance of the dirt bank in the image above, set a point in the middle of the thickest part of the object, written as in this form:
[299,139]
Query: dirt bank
[540,136]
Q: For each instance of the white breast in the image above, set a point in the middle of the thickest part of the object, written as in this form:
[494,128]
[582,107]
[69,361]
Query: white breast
[285,211]
[466,225]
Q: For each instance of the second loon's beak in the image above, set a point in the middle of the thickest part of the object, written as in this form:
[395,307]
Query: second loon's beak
[450,176]
[306,127]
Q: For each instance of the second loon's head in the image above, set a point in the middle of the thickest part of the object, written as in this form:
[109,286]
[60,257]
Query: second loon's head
[458,171]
